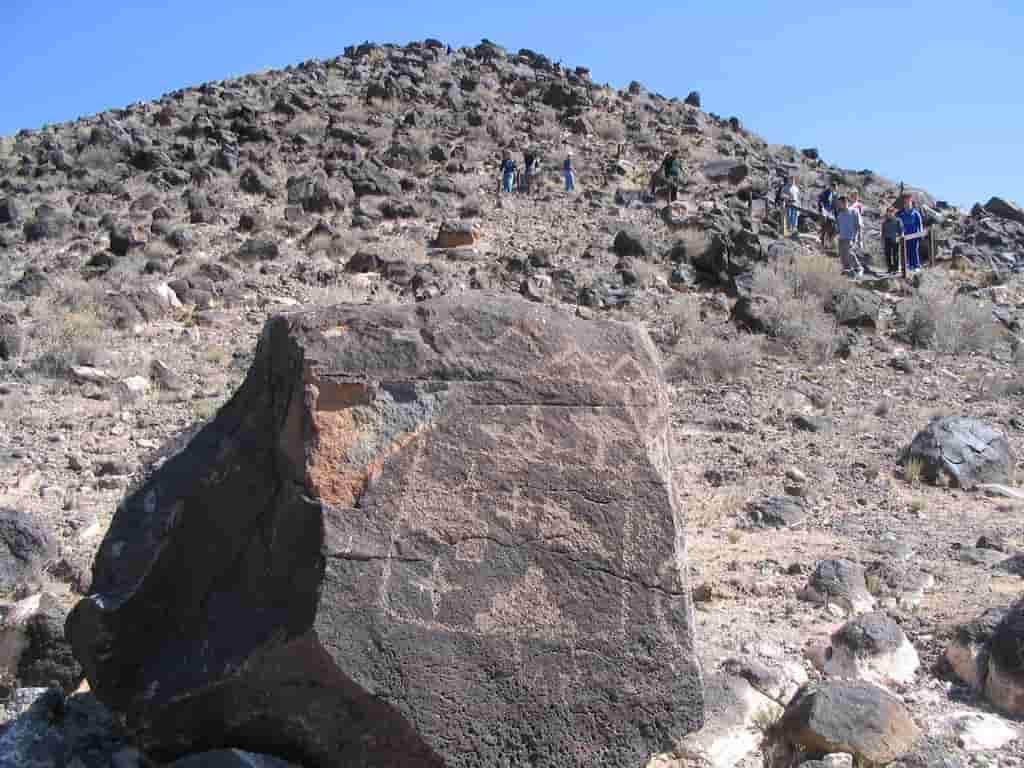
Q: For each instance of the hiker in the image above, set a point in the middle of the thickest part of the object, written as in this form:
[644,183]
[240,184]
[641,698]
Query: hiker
[570,174]
[529,170]
[508,173]
[892,233]
[791,196]
[826,207]
[912,225]
[858,206]
[673,176]
[848,222]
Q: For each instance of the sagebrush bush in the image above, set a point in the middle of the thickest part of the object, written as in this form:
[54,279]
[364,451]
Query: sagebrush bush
[68,329]
[611,130]
[703,352]
[799,288]
[936,317]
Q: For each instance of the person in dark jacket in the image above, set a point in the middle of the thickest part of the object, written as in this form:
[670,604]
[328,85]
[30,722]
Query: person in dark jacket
[892,233]
[827,209]
[674,176]
[912,225]
[508,173]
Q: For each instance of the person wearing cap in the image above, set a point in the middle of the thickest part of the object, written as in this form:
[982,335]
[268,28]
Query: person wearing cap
[912,225]
[569,173]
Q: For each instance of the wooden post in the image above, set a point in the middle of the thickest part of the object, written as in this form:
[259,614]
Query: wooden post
[903,256]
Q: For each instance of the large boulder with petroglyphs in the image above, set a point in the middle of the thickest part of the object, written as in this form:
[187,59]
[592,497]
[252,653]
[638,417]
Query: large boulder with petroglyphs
[441,534]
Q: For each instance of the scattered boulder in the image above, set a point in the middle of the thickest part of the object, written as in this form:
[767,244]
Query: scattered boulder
[259,249]
[25,548]
[980,731]
[12,338]
[776,512]
[847,716]
[455,234]
[315,192]
[693,99]
[1004,683]
[536,287]
[256,182]
[962,450]
[874,648]
[32,646]
[855,308]
[630,243]
[10,213]
[840,583]
[735,716]
[56,731]
[733,171]
[768,671]
[337,473]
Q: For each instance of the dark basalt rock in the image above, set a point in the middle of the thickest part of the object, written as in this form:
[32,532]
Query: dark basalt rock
[418,535]
[963,451]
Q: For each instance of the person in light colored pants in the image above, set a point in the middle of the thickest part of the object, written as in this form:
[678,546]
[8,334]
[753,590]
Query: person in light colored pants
[570,173]
[848,223]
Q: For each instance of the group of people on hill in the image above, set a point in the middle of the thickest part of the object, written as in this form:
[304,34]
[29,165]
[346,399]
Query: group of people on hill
[843,216]
[514,179]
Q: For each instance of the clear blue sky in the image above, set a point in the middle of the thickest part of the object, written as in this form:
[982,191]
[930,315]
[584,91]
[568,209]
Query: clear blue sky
[924,91]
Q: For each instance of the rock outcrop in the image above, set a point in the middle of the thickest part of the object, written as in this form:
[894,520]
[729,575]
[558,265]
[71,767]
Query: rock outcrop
[401,543]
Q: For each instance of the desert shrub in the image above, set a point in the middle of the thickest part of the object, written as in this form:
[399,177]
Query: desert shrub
[69,329]
[710,358]
[610,129]
[703,352]
[799,288]
[937,318]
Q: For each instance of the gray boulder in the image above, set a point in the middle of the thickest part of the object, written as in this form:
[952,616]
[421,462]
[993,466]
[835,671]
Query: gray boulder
[402,542]
[839,582]
[963,451]
[847,716]
[56,732]
[776,512]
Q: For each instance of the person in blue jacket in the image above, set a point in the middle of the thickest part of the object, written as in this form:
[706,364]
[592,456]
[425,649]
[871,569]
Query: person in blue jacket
[508,173]
[912,224]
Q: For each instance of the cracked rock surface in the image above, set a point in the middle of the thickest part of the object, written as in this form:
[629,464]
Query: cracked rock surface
[402,540]
[962,451]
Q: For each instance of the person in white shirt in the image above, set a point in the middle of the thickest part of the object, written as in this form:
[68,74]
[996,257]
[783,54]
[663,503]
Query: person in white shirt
[792,197]
[848,222]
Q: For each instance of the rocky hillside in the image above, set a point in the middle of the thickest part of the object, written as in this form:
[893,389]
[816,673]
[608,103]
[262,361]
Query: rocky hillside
[142,251]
